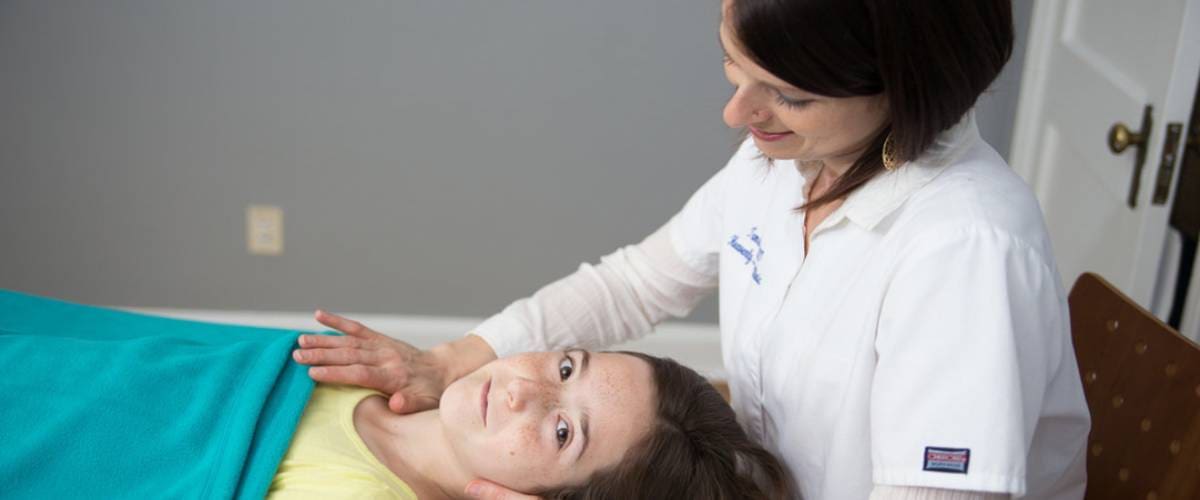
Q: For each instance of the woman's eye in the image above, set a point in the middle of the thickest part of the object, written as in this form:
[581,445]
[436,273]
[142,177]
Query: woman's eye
[561,432]
[565,368]
[791,103]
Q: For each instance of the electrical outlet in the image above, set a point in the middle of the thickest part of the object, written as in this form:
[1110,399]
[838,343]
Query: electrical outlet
[264,230]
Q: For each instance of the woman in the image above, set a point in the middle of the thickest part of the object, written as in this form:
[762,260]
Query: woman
[892,320]
[572,424]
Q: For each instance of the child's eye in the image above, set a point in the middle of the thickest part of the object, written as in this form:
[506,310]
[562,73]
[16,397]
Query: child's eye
[561,432]
[565,368]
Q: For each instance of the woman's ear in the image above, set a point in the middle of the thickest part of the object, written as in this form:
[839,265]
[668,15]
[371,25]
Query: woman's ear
[881,103]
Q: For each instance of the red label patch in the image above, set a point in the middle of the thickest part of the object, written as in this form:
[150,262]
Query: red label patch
[953,460]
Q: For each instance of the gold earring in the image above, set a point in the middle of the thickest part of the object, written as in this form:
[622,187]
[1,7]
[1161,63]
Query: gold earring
[889,154]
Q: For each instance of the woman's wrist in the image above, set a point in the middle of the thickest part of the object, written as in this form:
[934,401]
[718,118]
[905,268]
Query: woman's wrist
[460,357]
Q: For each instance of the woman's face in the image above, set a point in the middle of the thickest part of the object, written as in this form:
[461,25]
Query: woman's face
[791,124]
[549,419]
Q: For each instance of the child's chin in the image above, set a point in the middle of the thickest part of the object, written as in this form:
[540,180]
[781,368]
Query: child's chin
[454,404]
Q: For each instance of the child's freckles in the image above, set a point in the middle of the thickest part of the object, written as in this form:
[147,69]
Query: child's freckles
[609,389]
[527,437]
[523,439]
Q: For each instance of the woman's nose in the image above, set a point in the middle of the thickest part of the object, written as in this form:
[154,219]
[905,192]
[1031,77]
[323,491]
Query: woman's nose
[744,109]
[523,392]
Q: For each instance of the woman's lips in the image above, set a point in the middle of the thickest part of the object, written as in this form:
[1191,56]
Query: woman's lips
[483,400]
[768,136]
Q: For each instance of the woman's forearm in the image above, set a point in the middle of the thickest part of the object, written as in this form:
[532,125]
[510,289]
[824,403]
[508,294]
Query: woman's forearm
[617,300]
[462,356]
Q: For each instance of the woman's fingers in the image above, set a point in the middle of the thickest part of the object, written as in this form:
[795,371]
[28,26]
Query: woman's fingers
[411,403]
[360,375]
[344,325]
[328,341]
[335,356]
[486,490]
[364,357]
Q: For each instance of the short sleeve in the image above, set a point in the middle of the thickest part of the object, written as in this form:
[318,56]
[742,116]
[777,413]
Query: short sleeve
[970,333]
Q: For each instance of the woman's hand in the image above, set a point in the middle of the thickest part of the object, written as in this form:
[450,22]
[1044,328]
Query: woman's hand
[364,357]
[486,490]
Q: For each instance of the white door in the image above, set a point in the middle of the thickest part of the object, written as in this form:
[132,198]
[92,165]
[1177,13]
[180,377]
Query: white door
[1091,64]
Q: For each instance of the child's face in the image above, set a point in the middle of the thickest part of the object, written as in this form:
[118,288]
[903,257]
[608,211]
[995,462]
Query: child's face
[549,419]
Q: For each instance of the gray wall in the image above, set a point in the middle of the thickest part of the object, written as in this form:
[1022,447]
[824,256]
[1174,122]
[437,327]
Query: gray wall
[997,108]
[433,158]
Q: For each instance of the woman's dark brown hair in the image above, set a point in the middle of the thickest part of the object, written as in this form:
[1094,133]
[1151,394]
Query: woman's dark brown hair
[695,449]
[930,58]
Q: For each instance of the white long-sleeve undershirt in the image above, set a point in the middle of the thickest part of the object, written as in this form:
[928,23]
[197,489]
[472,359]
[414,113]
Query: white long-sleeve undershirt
[617,300]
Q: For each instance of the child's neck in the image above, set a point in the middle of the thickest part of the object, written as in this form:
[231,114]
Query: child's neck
[413,447]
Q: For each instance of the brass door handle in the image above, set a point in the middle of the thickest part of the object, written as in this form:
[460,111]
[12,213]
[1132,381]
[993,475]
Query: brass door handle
[1120,138]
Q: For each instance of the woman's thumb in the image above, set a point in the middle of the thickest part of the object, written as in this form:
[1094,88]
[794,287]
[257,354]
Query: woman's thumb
[485,490]
[403,404]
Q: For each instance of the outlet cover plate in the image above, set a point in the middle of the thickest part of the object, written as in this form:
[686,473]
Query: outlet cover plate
[264,230]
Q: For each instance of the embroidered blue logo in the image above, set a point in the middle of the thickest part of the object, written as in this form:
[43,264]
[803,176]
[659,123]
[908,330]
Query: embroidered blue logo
[752,257]
[947,459]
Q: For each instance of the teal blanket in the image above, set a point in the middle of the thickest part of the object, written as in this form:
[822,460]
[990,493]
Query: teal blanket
[99,403]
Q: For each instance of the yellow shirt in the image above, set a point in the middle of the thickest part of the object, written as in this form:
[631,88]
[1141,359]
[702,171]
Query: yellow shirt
[328,459]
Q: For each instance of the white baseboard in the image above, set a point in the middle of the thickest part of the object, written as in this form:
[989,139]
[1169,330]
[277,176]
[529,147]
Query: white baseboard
[696,345]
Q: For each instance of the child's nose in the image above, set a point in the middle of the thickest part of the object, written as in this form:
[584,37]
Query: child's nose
[523,392]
